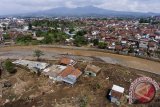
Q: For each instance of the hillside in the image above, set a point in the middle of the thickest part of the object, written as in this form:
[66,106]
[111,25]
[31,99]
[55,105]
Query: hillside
[30,90]
[87,11]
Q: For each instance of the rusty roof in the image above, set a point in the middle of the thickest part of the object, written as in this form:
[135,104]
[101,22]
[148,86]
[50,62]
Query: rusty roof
[116,94]
[92,68]
[67,71]
[76,73]
[65,60]
[70,70]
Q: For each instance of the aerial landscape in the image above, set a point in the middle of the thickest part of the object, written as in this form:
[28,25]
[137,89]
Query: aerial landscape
[79,53]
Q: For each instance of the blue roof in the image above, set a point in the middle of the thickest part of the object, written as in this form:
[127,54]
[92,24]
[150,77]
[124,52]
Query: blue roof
[69,80]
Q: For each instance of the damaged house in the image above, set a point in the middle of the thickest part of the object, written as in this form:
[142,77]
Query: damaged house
[116,94]
[92,70]
[53,71]
[67,61]
[32,65]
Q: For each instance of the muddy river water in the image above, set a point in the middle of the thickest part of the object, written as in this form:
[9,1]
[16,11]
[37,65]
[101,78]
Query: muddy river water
[128,61]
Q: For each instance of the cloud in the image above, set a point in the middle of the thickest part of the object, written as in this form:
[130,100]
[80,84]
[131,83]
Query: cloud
[24,6]
[132,5]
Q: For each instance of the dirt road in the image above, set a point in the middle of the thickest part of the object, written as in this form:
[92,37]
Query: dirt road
[133,62]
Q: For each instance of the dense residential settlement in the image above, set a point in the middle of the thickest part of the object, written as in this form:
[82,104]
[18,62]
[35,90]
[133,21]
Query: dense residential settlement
[139,37]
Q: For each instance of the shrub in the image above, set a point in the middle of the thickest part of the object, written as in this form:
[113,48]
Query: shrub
[9,66]
[102,45]
[38,54]
[83,101]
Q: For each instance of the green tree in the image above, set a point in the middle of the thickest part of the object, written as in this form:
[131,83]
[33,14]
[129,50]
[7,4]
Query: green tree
[60,37]
[6,36]
[71,30]
[81,33]
[24,39]
[95,42]
[80,40]
[157,53]
[9,66]
[38,54]
[40,33]
[131,49]
[102,45]
[30,26]
[47,39]
[144,20]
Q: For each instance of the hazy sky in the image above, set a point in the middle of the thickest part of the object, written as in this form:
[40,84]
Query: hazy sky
[24,6]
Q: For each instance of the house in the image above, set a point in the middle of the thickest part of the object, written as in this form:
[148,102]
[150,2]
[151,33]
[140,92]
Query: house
[143,43]
[118,48]
[111,47]
[138,36]
[69,75]
[145,36]
[95,32]
[92,70]
[157,37]
[141,51]
[133,43]
[152,46]
[123,42]
[38,38]
[116,94]
[67,61]
[32,65]
[53,71]
[69,41]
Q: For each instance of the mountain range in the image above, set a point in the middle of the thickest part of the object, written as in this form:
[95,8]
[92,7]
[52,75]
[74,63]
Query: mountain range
[86,11]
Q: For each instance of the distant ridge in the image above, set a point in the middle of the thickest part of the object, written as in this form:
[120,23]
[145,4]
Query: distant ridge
[86,11]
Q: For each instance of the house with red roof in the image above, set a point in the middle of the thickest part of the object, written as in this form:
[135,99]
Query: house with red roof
[67,61]
[69,75]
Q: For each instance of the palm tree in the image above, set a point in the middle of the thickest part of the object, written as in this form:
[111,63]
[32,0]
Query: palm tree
[38,54]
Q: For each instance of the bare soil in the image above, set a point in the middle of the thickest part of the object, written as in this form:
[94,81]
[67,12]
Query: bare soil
[30,90]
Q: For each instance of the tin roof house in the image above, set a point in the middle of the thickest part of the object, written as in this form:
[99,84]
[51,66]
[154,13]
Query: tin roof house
[69,75]
[53,71]
[31,64]
[92,70]
[143,43]
[116,94]
[67,61]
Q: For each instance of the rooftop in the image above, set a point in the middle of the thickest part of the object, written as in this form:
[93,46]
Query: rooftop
[118,88]
[53,70]
[66,61]
[92,68]
[31,64]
